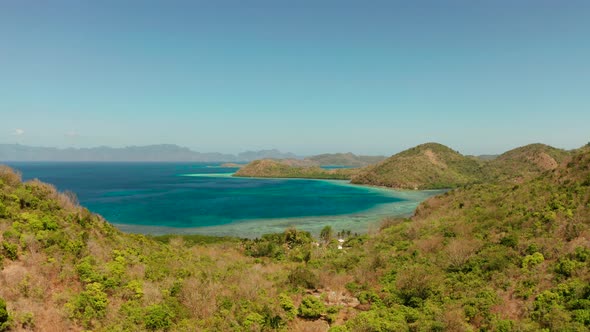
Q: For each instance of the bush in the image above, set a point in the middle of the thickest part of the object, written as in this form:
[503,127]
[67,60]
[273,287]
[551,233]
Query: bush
[509,241]
[254,320]
[326,234]
[158,317]
[287,305]
[9,176]
[378,320]
[4,317]
[89,304]
[10,250]
[566,267]
[311,307]
[3,210]
[581,254]
[415,283]
[533,260]
[303,277]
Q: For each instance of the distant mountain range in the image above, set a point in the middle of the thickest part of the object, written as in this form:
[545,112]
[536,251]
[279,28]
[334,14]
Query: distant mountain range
[162,152]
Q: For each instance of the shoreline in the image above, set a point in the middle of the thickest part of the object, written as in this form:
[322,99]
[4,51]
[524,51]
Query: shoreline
[336,181]
[361,222]
[348,180]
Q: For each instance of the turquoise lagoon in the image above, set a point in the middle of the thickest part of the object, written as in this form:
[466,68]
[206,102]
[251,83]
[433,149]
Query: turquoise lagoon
[184,198]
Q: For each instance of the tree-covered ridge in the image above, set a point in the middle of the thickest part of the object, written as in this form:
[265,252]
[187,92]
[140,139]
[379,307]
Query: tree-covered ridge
[63,268]
[291,169]
[426,166]
[525,162]
[497,256]
[345,159]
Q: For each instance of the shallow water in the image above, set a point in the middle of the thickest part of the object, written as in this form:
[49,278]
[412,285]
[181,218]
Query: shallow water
[159,198]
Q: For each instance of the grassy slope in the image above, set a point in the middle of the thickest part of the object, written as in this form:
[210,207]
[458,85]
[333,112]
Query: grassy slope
[63,268]
[503,256]
[283,169]
[426,166]
[525,162]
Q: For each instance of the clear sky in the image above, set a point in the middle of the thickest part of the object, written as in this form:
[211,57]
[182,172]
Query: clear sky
[305,76]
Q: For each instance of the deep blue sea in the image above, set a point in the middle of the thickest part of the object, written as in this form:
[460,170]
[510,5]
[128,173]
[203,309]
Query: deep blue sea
[204,198]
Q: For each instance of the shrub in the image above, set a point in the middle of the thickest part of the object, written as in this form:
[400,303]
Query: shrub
[326,234]
[134,289]
[581,316]
[295,238]
[9,176]
[311,307]
[566,267]
[415,283]
[582,254]
[86,270]
[10,250]
[4,317]
[533,260]
[254,320]
[368,297]
[459,251]
[509,241]
[89,304]
[504,325]
[158,317]
[287,305]
[303,277]
[378,320]
[3,210]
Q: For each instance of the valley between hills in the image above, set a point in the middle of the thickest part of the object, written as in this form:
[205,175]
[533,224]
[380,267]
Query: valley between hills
[506,249]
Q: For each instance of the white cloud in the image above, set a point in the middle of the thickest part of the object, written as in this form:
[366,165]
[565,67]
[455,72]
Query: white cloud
[18,132]
[72,134]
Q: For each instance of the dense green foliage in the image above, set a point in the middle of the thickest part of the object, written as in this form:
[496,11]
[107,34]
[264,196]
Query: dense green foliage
[498,255]
[524,162]
[267,168]
[426,166]
[4,317]
[193,239]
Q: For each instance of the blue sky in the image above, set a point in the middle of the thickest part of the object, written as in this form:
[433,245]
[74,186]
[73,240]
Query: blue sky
[371,77]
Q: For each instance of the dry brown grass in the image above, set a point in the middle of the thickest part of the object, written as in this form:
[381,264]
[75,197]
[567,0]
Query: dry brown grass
[431,244]
[458,251]
[68,200]
[334,281]
[454,320]
[151,293]
[200,296]
[301,325]
[9,176]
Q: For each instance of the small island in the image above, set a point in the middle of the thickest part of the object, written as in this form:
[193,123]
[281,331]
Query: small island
[292,168]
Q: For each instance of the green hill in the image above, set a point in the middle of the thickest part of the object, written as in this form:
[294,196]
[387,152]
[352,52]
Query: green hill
[63,268]
[426,166]
[268,168]
[525,162]
[498,256]
[487,257]
[345,159]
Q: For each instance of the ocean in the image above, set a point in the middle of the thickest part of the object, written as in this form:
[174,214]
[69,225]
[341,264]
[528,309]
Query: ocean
[203,198]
